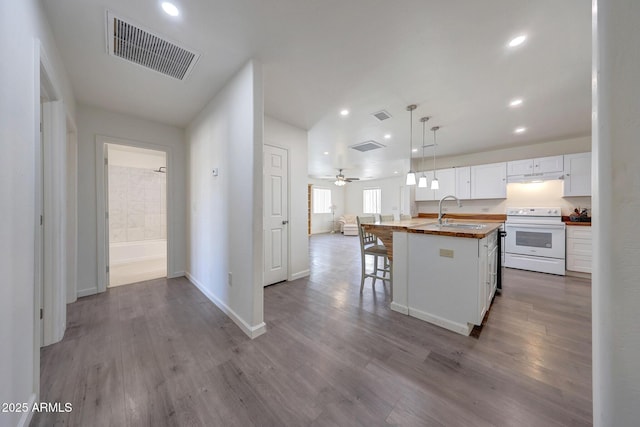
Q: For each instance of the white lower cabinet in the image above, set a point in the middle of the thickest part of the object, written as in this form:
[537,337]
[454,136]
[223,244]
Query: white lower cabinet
[579,250]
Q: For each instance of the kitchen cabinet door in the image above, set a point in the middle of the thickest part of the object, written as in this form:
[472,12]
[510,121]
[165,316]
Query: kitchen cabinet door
[447,181]
[520,167]
[548,164]
[425,194]
[463,182]
[489,181]
[577,175]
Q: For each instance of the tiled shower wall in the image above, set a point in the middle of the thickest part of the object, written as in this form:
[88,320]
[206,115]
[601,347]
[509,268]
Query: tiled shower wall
[137,204]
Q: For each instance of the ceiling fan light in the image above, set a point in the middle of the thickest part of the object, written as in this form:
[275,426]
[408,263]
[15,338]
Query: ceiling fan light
[435,185]
[422,182]
[411,178]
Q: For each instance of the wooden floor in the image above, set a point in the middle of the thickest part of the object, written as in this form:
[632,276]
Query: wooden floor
[159,353]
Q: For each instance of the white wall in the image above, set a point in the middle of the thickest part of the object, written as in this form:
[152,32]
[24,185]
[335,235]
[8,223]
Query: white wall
[21,24]
[294,140]
[93,121]
[616,231]
[322,223]
[390,194]
[225,211]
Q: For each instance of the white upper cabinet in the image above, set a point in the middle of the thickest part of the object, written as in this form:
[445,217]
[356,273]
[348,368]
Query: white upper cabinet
[533,167]
[463,182]
[489,181]
[548,164]
[447,182]
[520,167]
[577,174]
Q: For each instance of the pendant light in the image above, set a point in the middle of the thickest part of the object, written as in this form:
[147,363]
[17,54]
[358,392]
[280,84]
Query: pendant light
[435,185]
[411,176]
[422,183]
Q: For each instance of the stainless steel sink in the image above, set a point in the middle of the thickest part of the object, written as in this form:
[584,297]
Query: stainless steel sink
[464,225]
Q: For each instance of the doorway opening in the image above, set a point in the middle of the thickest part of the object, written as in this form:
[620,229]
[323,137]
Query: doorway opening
[136,181]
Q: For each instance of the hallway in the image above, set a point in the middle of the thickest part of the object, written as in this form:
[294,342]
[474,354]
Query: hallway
[160,353]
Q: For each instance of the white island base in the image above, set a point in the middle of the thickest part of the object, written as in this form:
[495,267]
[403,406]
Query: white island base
[445,280]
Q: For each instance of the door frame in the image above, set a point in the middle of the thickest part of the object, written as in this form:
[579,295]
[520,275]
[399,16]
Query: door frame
[102,205]
[288,186]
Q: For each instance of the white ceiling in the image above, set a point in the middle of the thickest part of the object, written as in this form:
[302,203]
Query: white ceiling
[449,57]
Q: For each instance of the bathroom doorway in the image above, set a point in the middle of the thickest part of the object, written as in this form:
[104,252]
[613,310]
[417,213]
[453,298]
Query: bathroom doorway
[137,214]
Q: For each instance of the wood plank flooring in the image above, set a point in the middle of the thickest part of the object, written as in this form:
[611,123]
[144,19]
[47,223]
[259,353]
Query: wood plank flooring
[158,353]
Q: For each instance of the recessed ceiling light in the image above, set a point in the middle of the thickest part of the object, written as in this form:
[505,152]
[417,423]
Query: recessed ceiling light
[387,136]
[344,112]
[515,102]
[415,150]
[396,172]
[520,130]
[326,153]
[170,8]
[517,41]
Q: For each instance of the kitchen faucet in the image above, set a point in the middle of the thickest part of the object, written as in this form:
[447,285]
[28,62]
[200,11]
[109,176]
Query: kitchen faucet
[450,196]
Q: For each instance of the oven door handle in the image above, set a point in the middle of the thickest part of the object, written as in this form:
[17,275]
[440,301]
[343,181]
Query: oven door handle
[540,227]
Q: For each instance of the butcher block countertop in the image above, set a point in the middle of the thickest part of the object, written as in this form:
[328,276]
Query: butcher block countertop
[567,221]
[452,231]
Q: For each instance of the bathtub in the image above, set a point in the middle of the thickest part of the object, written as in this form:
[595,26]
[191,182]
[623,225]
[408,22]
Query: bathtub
[143,250]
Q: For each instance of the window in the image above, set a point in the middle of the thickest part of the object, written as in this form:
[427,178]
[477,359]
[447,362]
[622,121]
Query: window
[321,200]
[371,198]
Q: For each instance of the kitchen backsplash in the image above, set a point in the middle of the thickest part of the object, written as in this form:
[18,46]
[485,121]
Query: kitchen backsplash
[542,194]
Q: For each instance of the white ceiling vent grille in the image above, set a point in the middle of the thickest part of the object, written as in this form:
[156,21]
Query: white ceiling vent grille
[132,43]
[367,146]
[382,115]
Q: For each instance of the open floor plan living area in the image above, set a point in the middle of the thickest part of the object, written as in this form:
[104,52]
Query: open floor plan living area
[335,213]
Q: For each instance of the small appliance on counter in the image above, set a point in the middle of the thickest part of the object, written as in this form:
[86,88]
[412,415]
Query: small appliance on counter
[580,215]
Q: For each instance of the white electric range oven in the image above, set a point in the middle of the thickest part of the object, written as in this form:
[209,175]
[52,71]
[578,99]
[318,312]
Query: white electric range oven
[535,240]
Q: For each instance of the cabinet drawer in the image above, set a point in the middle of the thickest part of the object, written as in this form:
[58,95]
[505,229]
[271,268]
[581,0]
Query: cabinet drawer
[580,263]
[578,232]
[579,247]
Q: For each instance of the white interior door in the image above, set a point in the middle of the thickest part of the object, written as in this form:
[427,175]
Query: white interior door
[276,217]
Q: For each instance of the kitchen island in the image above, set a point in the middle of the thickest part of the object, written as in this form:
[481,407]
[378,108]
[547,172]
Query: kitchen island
[445,274]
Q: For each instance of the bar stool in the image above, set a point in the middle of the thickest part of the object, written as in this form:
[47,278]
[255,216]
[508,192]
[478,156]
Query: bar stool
[369,246]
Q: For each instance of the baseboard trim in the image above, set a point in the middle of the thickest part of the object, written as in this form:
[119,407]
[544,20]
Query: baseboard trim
[176,274]
[462,329]
[87,292]
[399,308]
[251,331]
[300,275]
[25,419]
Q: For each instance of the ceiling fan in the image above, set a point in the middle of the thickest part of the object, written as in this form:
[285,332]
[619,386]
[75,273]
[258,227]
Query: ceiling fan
[341,180]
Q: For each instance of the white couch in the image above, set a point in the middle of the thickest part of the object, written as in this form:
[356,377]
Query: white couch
[348,225]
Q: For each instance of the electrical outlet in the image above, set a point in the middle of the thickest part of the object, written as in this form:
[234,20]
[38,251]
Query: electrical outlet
[215,171]
[485,209]
[447,253]
[230,279]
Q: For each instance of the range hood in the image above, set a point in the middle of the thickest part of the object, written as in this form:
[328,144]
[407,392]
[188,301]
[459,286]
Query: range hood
[535,177]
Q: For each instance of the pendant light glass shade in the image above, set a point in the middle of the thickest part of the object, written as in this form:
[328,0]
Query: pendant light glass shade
[411,176]
[435,185]
[422,182]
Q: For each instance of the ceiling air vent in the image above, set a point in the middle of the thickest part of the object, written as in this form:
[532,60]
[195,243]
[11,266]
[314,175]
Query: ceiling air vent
[132,43]
[382,115]
[367,146]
